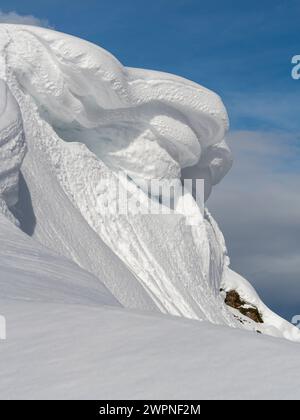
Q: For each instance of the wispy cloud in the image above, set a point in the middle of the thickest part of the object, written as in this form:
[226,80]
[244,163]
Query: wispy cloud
[278,110]
[13,17]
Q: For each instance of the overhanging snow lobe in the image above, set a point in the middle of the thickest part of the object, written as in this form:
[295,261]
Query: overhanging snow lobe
[92,124]
[123,115]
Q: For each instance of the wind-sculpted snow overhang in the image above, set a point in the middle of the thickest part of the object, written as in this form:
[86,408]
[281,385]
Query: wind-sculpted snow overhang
[12,145]
[149,124]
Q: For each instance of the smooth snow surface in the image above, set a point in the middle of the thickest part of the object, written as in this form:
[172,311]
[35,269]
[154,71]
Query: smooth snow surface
[77,352]
[31,272]
[89,124]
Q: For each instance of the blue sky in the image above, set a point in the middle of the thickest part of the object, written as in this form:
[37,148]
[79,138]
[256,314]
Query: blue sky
[243,51]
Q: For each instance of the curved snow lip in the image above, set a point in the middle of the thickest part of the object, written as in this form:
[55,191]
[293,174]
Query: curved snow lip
[121,114]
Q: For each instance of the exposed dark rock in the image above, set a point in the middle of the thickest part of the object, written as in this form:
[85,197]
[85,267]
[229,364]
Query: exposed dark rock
[252,313]
[234,300]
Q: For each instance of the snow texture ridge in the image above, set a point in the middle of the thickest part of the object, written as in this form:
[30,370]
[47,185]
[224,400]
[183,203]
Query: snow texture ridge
[12,149]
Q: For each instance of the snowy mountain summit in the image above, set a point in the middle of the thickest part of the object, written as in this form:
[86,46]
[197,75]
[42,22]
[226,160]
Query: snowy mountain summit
[75,124]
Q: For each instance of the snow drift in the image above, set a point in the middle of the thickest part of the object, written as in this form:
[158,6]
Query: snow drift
[91,123]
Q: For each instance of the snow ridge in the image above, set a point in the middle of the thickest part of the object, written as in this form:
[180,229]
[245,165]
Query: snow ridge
[90,122]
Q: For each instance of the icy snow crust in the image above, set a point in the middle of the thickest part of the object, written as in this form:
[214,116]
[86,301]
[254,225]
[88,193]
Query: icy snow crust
[86,118]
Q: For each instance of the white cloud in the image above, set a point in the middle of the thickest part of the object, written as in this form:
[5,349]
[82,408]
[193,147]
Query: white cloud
[278,109]
[13,17]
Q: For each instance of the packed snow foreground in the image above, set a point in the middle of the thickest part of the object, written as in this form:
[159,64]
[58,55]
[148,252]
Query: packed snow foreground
[74,124]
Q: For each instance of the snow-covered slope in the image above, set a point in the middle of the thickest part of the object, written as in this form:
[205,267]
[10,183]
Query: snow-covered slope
[77,351]
[31,272]
[90,123]
[68,338]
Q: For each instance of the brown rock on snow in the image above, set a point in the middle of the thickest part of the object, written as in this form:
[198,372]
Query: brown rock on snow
[234,300]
